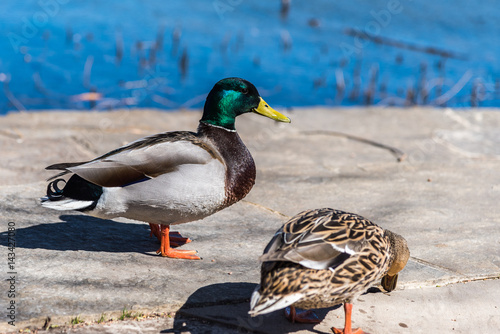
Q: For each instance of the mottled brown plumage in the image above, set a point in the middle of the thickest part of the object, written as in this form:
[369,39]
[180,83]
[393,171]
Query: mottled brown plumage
[321,258]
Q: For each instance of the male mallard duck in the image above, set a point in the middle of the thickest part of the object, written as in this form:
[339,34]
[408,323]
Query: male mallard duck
[171,177]
[324,257]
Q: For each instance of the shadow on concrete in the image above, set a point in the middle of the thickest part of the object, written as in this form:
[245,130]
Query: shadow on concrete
[82,232]
[228,304]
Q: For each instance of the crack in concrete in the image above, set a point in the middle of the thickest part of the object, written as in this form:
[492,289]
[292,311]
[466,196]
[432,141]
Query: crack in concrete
[400,155]
[435,266]
[260,206]
[447,281]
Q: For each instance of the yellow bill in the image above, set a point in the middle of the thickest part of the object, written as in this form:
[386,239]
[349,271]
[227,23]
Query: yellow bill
[265,110]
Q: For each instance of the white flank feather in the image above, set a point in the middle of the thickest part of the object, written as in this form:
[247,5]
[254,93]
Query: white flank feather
[67,204]
[271,304]
[318,265]
[346,249]
[255,298]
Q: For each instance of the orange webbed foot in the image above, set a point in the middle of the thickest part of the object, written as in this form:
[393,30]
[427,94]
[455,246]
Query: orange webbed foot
[166,245]
[301,316]
[179,254]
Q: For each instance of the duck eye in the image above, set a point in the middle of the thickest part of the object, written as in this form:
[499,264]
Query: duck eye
[245,90]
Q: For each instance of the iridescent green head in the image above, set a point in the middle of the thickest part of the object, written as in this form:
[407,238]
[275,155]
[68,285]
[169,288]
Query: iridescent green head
[232,97]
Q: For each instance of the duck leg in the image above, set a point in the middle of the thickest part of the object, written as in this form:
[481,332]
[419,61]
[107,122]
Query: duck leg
[348,326]
[168,251]
[176,239]
[155,230]
[301,316]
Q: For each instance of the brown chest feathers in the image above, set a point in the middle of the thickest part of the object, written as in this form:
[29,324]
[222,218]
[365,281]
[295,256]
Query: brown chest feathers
[240,167]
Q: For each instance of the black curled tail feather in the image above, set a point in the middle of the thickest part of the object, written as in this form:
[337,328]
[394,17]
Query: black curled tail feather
[54,193]
[76,188]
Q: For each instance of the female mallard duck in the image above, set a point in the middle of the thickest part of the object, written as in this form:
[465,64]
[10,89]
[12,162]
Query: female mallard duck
[171,177]
[321,258]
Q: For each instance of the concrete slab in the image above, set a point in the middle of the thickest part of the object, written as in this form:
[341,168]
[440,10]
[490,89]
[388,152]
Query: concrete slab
[459,308]
[443,197]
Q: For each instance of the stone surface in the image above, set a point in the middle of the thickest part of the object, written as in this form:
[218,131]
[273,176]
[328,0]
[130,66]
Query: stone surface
[459,308]
[442,196]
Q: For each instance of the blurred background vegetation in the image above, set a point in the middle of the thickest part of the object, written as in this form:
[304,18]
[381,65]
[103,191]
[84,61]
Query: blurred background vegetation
[76,54]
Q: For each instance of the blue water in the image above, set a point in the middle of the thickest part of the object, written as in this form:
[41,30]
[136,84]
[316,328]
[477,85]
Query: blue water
[53,51]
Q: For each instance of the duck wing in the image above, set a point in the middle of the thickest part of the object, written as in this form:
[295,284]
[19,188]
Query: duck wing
[318,239]
[145,158]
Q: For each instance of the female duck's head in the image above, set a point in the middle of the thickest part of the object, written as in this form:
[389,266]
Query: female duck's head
[232,97]
[399,257]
